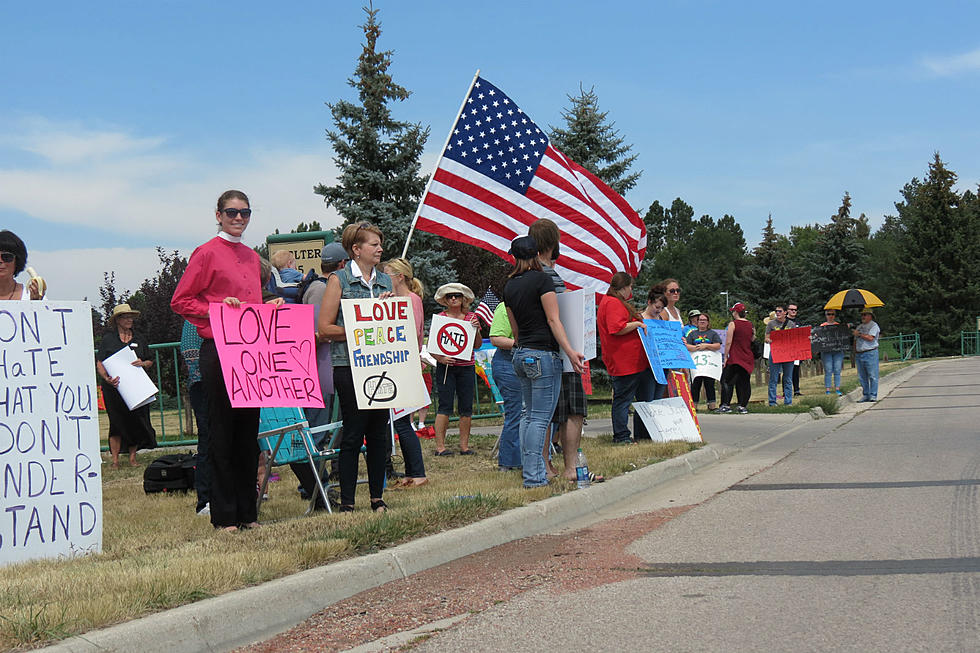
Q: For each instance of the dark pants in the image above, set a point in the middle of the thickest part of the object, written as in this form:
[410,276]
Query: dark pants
[627,389]
[369,427]
[734,378]
[202,475]
[796,379]
[234,448]
[459,384]
[408,440]
[708,384]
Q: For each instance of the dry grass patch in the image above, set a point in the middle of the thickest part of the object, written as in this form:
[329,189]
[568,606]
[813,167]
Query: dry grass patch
[158,554]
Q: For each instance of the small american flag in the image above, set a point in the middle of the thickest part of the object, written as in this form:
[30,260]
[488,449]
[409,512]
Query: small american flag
[499,173]
[487,306]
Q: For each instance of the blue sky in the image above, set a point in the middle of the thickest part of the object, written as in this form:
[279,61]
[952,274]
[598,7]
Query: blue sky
[121,122]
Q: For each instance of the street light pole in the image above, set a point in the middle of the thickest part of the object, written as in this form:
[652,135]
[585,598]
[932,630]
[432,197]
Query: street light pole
[725,293]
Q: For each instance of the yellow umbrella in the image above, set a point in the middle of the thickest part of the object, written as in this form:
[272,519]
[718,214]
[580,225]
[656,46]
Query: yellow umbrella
[854,298]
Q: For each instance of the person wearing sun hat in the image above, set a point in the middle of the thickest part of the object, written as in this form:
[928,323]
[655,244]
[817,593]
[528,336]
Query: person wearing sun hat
[866,359]
[455,378]
[127,428]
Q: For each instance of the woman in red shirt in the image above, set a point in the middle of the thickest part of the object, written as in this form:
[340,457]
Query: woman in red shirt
[225,270]
[622,352]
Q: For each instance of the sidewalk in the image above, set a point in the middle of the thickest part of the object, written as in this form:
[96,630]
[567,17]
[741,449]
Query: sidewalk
[257,613]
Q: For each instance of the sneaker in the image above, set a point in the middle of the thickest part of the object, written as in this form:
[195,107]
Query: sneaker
[205,511]
[797,394]
[839,393]
[828,392]
[741,410]
[722,409]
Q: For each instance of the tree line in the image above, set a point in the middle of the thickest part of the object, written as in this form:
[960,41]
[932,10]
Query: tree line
[922,261]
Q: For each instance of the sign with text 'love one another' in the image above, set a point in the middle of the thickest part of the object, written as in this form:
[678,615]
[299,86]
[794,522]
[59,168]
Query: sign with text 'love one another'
[267,353]
[50,466]
[384,353]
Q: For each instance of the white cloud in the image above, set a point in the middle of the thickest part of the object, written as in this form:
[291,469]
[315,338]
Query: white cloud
[74,274]
[950,65]
[142,187]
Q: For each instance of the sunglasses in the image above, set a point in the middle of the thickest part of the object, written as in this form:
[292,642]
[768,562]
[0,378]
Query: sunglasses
[674,290]
[7,257]
[233,213]
[454,295]
[779,310]
[829,313]
[792,310]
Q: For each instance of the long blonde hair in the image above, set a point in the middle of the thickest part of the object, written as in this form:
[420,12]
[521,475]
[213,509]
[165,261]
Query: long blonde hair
[403,267]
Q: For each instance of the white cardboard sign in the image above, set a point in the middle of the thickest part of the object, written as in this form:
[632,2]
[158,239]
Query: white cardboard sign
[384,354]
[576,310]
[707,363]
[50,464]
[451,337]
[668,419]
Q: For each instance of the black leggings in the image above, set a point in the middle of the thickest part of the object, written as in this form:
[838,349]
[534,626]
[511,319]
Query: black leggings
[360,426]
[709,389]
[735,378]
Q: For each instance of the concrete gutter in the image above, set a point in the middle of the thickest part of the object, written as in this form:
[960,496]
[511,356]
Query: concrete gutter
[257,613]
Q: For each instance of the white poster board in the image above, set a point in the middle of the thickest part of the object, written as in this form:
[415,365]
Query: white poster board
[451,337]
[384,355]
[49,432]
[135,386]
[668,419]
[576,310]
[707,363]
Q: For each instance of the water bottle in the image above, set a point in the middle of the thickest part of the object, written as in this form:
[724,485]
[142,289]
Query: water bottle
[581,471]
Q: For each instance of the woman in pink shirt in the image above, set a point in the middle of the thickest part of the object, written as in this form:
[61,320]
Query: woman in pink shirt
[225,270]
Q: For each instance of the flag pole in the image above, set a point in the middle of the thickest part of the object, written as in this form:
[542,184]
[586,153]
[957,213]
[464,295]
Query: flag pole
[462,105]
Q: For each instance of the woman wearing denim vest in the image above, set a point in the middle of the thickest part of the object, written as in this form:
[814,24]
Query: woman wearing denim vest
[359,279]
[532,308]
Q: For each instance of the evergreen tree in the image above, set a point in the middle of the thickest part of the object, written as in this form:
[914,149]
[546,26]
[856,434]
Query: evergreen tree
[590,140]
[938,257]
[378,158]
[765,279]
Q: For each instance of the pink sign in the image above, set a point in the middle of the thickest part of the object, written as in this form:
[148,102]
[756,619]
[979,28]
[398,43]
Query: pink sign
[267,353]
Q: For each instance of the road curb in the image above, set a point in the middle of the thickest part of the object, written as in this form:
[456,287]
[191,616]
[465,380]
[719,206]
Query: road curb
[256,613]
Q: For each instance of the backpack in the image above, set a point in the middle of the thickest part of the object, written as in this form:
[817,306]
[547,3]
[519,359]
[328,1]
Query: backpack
[310,278]
[757,348]
[170,473]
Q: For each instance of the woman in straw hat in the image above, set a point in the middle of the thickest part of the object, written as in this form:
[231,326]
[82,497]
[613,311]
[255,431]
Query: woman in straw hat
[129,428]
[455,377]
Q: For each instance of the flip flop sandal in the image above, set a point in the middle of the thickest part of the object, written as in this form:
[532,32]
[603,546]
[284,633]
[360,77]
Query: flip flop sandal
[596,478]
[444,452]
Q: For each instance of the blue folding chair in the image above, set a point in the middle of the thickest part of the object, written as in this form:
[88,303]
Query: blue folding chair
[288,437]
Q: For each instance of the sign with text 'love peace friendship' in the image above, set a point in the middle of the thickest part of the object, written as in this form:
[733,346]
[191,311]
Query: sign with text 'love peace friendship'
[384,353]
[50,465]
[267,353]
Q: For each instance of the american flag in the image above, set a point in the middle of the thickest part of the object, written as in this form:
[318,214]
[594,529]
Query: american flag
[487,306]
[498,174]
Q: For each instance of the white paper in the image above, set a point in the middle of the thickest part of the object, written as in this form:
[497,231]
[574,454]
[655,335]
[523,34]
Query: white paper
[668,419]
[135,385]
[576,310]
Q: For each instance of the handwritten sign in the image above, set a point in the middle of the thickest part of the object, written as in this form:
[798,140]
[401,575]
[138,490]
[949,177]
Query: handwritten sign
[49,432]
[835,337]
[384,353]
[707,363]
[790,345]
[576,310]
[665,337]
[668,419]
[653,357]
[267,354]
[451,337]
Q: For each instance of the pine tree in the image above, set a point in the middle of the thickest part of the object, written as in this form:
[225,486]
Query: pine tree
[379,160]
[937,262]
[765,279]
[594,143]
[838,260]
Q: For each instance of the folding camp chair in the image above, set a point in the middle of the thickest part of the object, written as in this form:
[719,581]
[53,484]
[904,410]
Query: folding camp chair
[288,437]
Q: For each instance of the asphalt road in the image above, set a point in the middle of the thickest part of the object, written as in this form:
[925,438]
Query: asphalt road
[857,533]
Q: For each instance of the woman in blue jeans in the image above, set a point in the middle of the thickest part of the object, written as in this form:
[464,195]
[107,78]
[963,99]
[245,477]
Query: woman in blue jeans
[509,449]
[833,361]
[532,308]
